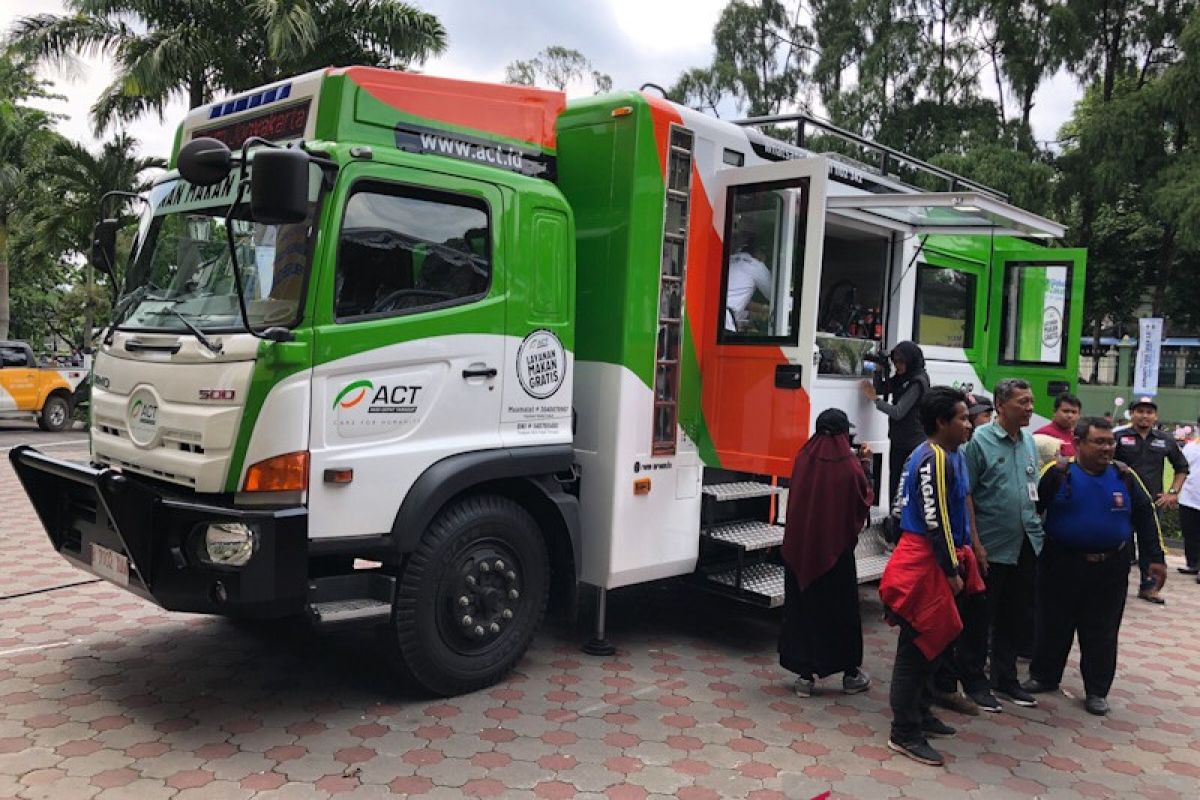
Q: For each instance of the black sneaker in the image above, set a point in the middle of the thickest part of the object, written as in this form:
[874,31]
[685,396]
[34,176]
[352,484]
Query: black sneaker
[1017,695]
[918,750]
[1188,570]
[856,681]
[932,726]
[986,700]
[1094,704]
[1037,686]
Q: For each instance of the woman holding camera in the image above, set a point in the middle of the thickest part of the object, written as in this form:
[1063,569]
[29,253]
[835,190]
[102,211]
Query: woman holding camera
[903,392]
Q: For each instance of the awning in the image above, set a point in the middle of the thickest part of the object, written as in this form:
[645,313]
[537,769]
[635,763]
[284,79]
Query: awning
[944,213]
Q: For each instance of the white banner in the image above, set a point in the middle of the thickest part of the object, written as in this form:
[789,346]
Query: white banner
[1145,371]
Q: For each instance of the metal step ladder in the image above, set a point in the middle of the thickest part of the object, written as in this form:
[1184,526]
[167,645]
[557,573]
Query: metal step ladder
[740,541]
[872,552]
[740,545]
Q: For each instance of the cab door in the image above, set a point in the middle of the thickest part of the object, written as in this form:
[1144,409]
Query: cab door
[410,340]
[18,380]
[758,376]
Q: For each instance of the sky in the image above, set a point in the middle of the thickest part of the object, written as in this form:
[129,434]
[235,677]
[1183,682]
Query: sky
[634,41]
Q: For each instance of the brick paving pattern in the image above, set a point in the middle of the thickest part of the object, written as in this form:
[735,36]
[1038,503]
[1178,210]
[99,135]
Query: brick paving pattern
[104,696]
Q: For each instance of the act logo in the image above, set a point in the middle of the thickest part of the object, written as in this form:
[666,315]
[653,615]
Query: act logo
[362,388]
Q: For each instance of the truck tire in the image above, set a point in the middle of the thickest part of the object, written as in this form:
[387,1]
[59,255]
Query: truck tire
[485,550]
[56,414]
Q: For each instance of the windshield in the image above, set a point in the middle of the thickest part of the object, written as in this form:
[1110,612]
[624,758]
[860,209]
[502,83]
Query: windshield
[181,265]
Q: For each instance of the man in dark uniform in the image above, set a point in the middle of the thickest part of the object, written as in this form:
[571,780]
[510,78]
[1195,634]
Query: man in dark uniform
[1144,449]
[1091,505]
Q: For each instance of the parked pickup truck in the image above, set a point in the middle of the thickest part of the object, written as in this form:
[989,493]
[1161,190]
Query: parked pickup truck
[31,392]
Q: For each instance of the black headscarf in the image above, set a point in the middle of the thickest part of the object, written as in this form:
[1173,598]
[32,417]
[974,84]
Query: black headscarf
[914,368]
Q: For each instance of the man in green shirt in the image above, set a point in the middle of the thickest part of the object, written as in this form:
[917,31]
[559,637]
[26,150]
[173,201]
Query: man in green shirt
[1002,462]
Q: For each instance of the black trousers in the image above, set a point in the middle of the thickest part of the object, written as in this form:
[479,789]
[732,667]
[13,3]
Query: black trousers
[1002,625]
[1189,522]
[951,668]
[1078,596]
[910,697]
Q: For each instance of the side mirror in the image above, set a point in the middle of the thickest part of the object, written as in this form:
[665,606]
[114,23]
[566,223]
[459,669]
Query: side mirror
[104,246]
[279,186]
[204,161]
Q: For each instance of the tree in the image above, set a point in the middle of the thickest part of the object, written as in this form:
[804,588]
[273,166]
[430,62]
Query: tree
[196,48]
[25,137]
[701,88]
[76,180]
[557,67]
[762,50]
[1031,40]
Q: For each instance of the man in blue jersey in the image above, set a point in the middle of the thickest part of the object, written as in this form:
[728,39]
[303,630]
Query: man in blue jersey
[932,563]
[1091,507]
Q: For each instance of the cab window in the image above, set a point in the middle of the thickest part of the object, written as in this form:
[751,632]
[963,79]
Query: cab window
[13,357]
[1035,310]
[945,309]
[404,250]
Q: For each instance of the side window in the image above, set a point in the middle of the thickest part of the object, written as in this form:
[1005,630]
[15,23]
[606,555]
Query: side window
[13,357]
[404,250]
[945,308]
[764,258]
[1036,307]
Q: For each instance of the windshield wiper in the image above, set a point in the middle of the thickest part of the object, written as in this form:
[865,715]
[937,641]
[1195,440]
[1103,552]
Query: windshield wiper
[129,301]
[214,347]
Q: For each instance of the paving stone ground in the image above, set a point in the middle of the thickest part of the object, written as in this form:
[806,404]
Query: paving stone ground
[104,696]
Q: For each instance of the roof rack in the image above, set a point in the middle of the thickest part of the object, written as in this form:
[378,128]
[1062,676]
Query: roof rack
[888,156]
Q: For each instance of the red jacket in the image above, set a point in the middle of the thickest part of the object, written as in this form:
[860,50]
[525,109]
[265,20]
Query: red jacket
[915,589]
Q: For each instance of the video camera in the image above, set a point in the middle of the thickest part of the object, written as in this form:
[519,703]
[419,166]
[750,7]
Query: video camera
[883,364]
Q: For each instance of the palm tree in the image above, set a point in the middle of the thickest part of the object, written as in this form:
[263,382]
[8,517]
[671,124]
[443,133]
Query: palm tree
[78,179]
[25,135]
[196,48]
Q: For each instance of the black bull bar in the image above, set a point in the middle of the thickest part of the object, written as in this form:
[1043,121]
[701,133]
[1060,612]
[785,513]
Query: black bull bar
[161,533]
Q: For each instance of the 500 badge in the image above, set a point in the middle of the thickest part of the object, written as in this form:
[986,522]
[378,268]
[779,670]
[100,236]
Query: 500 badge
[541,364]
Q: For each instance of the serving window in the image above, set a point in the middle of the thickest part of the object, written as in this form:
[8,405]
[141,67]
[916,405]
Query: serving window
[850,309]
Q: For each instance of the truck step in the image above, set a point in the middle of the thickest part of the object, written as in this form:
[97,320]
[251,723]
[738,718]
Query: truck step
[360,611]
[363,597]
[739,490]
[871,553]
[748,535]
[869,568]
[762,584]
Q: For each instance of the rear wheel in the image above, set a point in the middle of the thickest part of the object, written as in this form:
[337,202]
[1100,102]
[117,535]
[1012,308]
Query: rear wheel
[56,414]
[472,595]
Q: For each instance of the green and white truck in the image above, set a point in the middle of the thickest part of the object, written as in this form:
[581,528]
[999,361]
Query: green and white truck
[431,355]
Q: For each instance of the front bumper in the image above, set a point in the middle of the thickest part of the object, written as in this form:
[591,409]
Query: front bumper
[157,531]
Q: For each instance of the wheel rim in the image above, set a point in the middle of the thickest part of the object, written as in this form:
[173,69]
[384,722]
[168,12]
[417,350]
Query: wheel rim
[482,597]
[57,415]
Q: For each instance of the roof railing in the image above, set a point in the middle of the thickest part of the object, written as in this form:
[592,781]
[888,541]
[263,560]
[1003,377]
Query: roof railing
[888,157]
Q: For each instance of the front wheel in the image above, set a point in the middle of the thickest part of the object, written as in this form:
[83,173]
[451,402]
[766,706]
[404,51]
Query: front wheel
[56,414]
[471,596]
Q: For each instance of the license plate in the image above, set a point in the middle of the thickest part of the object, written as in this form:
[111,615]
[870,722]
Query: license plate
[110,564]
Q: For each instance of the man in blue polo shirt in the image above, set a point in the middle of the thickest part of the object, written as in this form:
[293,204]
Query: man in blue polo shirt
[1092,506]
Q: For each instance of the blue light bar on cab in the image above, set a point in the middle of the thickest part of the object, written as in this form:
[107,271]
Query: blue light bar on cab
[256,100]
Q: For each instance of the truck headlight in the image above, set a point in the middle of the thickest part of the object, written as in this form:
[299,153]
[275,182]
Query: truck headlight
[228,544]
